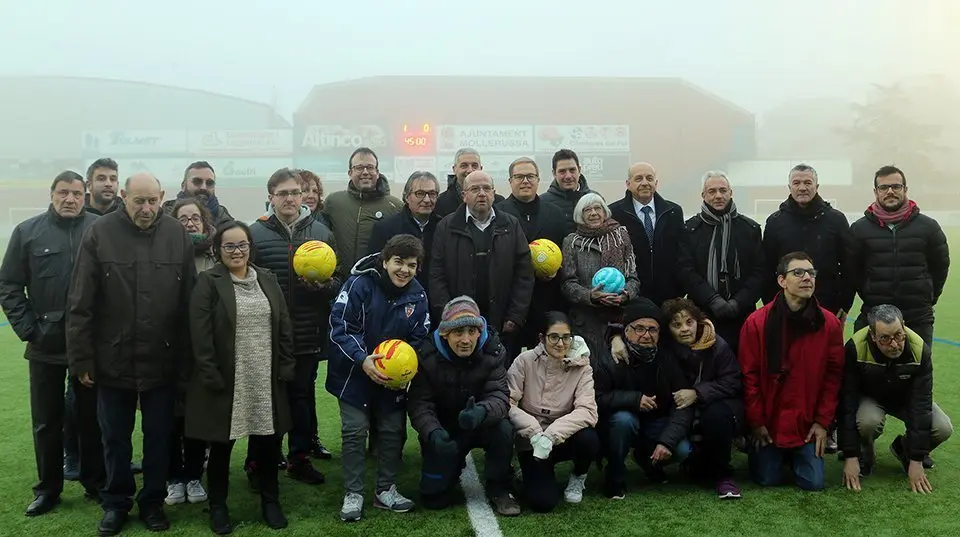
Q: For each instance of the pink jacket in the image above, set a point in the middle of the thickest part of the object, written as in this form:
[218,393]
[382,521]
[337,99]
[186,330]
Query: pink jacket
[551,396]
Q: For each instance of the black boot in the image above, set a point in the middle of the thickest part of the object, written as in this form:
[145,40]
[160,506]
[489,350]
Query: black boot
[220,520]
[273,515]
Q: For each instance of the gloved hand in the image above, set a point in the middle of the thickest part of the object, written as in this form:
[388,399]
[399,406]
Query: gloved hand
[722,309]
[542,446]
[442,444]
[472,415]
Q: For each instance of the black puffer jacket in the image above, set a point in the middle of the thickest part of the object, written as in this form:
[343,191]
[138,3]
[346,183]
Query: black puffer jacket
[905,265]
[566,200]
[309,308]
[656,264]
[34,280]
[823,233]
[445,381]
[452,198]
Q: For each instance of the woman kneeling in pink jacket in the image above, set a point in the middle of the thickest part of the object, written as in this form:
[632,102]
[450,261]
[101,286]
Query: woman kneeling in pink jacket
[554,410]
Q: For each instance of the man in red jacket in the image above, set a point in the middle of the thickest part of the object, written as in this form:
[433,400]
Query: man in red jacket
[791,353]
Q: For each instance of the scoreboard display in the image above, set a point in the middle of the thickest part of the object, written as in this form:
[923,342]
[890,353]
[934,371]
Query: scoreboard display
[416,139]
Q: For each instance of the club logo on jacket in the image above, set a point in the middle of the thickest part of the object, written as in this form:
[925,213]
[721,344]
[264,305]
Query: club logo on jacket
[342,298]
[409,309]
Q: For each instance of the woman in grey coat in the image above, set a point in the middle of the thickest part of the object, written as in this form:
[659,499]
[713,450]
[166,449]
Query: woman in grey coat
[598,242]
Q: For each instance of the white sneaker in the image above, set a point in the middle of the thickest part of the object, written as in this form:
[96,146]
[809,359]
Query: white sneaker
[575,487]
[352,508]
[392,500]
[195,492]
[176,493]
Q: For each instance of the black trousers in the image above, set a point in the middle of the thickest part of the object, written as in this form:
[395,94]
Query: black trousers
[719,425]
[539,479]
[186,455]
[117,410]
[47,410]
[440,473]
[264,449]
[71,442]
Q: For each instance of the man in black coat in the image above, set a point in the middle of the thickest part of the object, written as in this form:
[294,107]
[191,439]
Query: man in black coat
[483,253]
[539,220]
[418,218]
[200,181]
[276,236]
[635,402]
[34,280]
[889,371]
[721,259]
[465,161]
[568,186]
[103,187]
[127,320]
[656,229]
[806,223]
[898,255]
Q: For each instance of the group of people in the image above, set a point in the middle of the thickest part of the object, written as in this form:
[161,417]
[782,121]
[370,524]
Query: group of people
[199,322]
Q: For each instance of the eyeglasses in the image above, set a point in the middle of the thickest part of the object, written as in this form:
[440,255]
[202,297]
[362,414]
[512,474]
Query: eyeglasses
[557,338]
[231,247]
[196,219]
[895,187]
[359,168]
[899,337]
[486,189]
[641,330]
[799,272]
[431,194]
[530,177]
[287,193]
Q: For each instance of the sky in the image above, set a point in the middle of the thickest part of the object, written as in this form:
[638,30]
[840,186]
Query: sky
[756,54]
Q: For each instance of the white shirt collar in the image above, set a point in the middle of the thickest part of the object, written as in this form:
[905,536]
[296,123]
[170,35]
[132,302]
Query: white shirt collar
[481,225]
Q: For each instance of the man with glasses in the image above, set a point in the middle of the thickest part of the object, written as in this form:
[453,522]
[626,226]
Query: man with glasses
[539,220]
[34,280]
[483,253]
[353,212]
[898,255]
[465,161]
[200,181]
[417,218]
[276,236]
[791,355]
[889,371]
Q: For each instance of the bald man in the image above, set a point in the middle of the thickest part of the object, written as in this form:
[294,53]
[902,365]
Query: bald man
[656,228]
[127,336]
[482,253]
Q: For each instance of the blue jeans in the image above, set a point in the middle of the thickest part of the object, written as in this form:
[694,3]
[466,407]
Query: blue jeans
[766,466]
[629,430]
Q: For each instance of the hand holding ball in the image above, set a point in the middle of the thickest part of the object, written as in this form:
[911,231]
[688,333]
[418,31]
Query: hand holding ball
[315,261]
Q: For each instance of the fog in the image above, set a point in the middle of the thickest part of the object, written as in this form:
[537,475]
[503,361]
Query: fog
[854,84]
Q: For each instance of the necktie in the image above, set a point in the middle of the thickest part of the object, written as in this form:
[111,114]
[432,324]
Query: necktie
[648,222]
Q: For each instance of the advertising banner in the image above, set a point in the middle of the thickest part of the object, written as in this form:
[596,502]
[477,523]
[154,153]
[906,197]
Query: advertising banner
[240,143]
[501,139]
[583,138]
[341,139]
[140,143]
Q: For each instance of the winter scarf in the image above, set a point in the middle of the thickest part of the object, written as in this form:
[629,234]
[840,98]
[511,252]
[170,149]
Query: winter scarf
[213,204]
[708,336]
[892,218]
[784,325]
[609,239]
[722,224]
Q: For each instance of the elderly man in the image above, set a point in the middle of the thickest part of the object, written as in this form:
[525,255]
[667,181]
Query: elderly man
[34,280]
[126,325]
[200,181]
[418,218]
[568,185]
[898,255]
[482,253]
[889,371]
[791,354]
[353,212]
[721,259]
[465,161]
[656,229]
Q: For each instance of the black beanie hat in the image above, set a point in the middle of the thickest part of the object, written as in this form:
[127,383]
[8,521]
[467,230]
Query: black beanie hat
[641,308]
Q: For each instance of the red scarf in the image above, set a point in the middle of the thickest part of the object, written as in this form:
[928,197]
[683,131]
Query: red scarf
[888,218]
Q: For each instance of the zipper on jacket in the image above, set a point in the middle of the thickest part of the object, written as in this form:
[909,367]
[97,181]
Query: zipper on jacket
[356,232]
[896,255]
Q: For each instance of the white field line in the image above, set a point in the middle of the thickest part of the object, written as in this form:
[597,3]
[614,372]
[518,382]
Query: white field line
[482,518]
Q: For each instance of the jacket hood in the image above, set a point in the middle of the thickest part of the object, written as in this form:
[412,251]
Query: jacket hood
[381,190]
[577,356]
[489,340]
[555,188]
[451,181]
[366,265]
[272,215]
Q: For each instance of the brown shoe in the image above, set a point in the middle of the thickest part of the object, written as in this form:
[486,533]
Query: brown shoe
[506,504]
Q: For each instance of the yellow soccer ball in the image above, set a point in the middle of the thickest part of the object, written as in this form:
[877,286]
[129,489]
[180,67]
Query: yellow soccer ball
[546,257]
[399,362]
[315,261]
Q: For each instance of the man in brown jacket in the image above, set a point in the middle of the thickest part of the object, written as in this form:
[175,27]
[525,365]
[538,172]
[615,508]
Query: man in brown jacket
[483,254]
[128,334]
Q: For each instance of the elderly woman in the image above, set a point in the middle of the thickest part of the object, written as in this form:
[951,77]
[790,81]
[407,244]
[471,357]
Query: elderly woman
[712,368]
[598,242]
[194,216]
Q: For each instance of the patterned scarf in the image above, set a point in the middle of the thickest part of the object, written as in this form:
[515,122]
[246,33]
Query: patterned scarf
[721,225]
[609,239]
[888,218]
